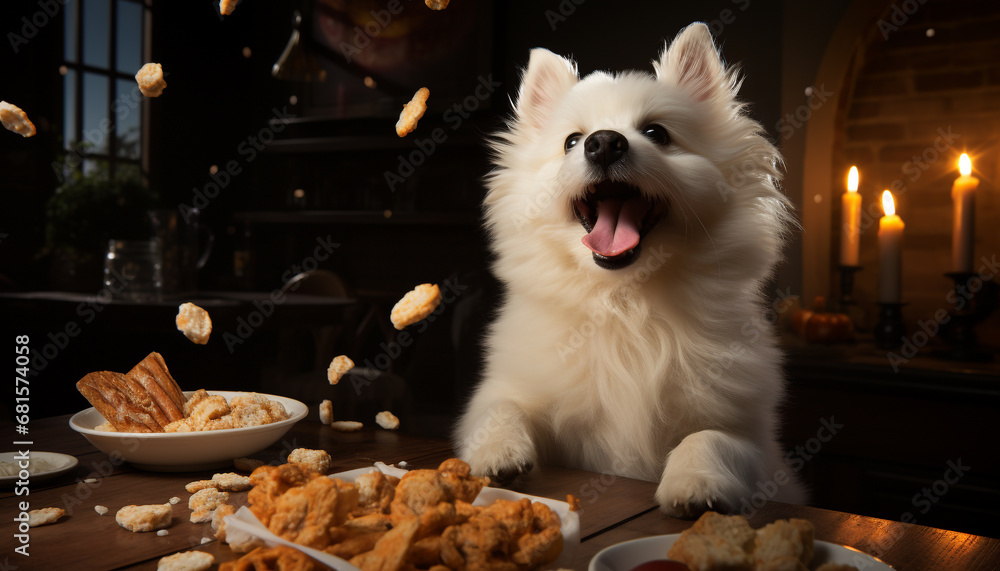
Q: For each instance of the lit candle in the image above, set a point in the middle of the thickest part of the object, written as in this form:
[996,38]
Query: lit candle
[850,237]
[890,248]
[963,233]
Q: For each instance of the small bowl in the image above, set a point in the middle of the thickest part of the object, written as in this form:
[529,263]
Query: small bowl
[186,451]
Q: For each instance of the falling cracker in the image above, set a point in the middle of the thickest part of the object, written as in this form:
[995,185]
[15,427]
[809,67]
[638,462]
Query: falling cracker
[326,411]
[16,120]
[412,112]
[415,305]
[387,420]
[194,322]
[226,7]
[437,4]
[150,80]
[338,368]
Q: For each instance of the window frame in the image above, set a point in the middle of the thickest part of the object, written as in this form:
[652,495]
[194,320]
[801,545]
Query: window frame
[77,157]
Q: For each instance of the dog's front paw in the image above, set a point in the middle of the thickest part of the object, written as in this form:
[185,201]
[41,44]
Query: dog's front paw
[701,474]
[502,461]
[501,449]
[504,477]
[690,495]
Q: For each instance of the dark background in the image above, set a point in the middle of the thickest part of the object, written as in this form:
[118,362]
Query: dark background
[218,103]
[900,428]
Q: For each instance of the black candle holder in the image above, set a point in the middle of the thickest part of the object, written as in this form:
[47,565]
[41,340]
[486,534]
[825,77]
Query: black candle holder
[889,331]
[847,286]
[973,300]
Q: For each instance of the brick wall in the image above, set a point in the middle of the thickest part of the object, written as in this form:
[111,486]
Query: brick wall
[918,100]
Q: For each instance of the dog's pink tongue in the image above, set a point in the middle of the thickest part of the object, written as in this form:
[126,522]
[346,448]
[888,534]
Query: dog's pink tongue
[617,227]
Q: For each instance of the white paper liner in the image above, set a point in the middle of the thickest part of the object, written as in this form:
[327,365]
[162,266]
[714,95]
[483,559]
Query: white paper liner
[243,524]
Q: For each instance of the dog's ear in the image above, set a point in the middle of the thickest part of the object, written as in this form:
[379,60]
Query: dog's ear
[546,80]
[692,61]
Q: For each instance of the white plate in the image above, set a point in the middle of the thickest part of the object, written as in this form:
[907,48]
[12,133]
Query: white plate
[627,555]
[61,463]
[244,522]
[186,451]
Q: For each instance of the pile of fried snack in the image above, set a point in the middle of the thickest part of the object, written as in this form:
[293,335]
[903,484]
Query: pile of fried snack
[718,542]
[422,521]
[147,399]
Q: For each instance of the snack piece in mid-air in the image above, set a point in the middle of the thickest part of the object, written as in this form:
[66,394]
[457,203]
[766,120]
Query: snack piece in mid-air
[437,4]
[150,80]
[387,420]
[326,411]
[16,120]
[415,305]
[338,368]
[226,7]
[412,112]
[194,322]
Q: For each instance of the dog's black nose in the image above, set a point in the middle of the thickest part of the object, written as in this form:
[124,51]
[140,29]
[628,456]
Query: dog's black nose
[605,147]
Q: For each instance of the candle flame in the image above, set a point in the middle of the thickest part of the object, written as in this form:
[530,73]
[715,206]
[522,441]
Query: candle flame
[888,206]
[964,165]
[852,180]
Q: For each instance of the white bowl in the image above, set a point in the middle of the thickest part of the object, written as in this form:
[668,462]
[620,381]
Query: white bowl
[627,555]
[185,451]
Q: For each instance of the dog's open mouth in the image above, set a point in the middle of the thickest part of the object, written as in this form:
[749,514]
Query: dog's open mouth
[616,216]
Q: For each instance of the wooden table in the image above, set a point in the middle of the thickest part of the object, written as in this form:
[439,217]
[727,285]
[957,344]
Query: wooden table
[614,509]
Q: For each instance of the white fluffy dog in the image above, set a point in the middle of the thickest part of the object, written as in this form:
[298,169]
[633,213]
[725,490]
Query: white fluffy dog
[635,219]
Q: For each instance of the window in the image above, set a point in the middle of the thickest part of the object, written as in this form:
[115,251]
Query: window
[105,42]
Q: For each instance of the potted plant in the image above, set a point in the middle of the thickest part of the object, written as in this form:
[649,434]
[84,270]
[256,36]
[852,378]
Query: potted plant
[86,211]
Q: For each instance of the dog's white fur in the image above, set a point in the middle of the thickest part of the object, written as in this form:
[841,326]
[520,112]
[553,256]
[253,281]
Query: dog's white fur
[664,370]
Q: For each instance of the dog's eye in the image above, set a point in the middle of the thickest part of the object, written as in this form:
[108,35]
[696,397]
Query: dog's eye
[571,141]
[656,133]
